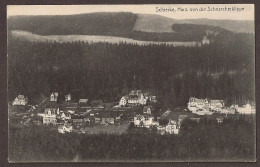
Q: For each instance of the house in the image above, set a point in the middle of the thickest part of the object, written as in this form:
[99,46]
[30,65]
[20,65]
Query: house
[65,128]
[153,99]
[203,106]
[65,115]
[230,110]
[68,97]
[107,120]
[136,99]
[144,121]
[161,130]
[83,100]
[205,40]
[141,99]
[147,110]
[97,120]
[71,111]
[133,100]
[49,116]
[195,104]
[216,105]
[245,109]
[172,127]
[54,96]
[20,100]
[219,120]
[77,119]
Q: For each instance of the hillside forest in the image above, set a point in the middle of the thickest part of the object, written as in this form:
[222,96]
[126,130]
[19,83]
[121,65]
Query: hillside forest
[221,70]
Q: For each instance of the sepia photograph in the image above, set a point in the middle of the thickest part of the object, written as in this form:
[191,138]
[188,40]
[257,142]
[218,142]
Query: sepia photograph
[131,83]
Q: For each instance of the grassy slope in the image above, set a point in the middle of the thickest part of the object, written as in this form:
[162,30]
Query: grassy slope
[91,39]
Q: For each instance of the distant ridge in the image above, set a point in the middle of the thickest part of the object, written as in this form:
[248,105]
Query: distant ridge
[141,27]
[157,23]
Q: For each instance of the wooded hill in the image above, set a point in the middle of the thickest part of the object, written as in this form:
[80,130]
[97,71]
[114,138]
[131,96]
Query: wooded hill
[129,25]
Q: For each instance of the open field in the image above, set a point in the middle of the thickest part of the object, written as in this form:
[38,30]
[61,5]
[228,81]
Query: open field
[92,39]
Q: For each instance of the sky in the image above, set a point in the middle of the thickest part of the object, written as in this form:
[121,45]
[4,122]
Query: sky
[246,12]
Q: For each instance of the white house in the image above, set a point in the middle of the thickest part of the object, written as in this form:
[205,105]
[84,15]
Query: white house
[230,110]
[203,106]
[245,109]
[68,97]
[216,105]
[65,128]
[219,120]
[144,121]
[205,40]
[172,127]
[195,104]
[136,97]
[123,101]
[83,101]
[133,100]
[49,116]
[141,99]
[20,100]
[54,96]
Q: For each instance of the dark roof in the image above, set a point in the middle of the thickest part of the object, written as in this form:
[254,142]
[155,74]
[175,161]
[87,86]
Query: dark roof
[133,97]
[146,108]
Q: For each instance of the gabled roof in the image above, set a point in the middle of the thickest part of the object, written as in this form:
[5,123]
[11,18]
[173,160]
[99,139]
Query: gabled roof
[68,126]
[216,101]
[167,112]
[83,100]
[193,99]
[21,97]
[133,96]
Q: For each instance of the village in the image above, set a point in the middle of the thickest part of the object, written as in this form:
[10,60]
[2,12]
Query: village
[136,108]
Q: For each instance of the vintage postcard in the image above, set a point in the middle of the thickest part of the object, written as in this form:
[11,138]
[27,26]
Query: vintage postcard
[131,83]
